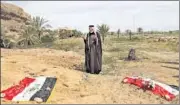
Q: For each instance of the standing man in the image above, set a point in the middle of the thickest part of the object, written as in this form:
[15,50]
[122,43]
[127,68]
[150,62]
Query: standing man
[93,51]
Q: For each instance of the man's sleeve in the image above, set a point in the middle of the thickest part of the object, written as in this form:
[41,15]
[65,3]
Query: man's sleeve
[99,40]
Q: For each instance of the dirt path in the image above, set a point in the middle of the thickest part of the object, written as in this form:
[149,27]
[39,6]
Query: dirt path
[74,86]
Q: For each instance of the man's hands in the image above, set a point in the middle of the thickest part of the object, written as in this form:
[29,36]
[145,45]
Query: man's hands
[84,37]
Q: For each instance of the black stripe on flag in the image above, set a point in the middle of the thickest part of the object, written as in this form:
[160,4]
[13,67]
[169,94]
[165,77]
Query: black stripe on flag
[174,87]
[45,90]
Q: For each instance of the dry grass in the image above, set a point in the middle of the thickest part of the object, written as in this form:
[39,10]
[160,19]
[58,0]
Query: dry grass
[115,50]
[71,44]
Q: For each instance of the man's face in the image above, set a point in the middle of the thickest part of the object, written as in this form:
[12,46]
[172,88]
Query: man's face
[91,29]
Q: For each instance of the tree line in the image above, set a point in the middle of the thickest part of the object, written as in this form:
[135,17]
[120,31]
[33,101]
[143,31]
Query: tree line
[38,31]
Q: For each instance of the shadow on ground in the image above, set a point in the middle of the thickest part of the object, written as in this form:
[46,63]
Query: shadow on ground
[176,76]
[169,62]
[176,68]
[79,67]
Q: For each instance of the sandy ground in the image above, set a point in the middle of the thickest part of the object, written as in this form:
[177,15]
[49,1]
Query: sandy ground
[74,86]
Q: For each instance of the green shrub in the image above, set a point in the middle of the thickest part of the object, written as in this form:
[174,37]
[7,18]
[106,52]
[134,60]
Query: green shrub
[136,38]
[47,38]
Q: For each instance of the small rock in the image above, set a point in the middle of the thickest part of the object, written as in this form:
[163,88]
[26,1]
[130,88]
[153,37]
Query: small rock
[37,99]
[65,85]
[48,88]
[83,94]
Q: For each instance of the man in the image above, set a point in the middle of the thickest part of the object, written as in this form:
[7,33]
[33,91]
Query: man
[93,51]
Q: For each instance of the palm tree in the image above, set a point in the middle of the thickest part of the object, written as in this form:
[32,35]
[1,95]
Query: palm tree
[29,36]
[2,37]
[103,30]
[139,30]
[5,40]
[118,32]
[40,24]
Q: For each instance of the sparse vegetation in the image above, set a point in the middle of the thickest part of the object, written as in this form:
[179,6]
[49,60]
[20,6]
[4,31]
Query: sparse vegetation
[140,30]
[73,44]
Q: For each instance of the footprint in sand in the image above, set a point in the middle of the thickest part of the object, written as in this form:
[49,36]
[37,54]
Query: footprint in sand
[26,71]
[13,62]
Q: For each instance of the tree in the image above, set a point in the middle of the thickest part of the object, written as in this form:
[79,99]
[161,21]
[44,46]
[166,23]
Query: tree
[2,32]
[76,33]
[170,32]
[103,30]
[140,30]
[129,33]
[2,37]
[40,24]
[5,41]
[29,37]
[49,36]
[112,33]
[118,32]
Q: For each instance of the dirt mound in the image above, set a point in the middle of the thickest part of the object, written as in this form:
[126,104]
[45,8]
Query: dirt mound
[72,86]
[13,19]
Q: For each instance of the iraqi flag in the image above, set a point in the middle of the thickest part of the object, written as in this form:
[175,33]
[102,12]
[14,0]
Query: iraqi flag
[30,89]
[164,90]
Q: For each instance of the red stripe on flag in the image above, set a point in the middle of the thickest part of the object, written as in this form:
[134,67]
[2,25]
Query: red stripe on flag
[15,90]
[162,92]
[159,90]
[134,81]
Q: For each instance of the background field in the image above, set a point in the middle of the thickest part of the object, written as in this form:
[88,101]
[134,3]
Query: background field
[64,59]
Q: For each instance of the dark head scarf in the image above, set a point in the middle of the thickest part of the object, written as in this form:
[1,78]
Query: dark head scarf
[91,25]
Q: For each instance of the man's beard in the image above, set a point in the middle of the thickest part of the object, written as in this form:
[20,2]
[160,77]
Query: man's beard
[91,31]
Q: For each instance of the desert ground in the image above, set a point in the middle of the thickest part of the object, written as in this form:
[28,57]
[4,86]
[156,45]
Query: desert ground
[65,59]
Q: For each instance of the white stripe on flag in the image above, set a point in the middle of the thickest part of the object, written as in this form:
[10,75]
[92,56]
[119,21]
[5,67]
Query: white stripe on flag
[168,88]
[29,91]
